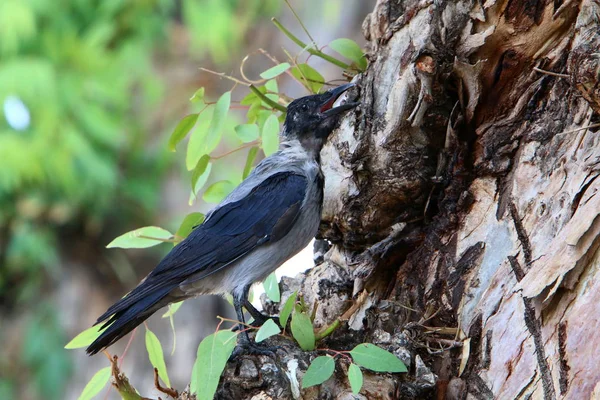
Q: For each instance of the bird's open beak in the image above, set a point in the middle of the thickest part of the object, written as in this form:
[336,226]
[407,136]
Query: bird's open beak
[328,110]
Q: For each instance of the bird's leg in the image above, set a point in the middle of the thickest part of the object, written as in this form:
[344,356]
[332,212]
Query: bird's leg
[259,318]
[245,345]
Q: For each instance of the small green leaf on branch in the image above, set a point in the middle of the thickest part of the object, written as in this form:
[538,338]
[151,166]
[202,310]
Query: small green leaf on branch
[319,370]
[268,329]
[376,359]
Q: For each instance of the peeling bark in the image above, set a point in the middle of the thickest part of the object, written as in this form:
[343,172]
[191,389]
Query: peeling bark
[461,206]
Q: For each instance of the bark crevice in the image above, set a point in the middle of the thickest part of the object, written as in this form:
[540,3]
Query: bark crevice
[461,204]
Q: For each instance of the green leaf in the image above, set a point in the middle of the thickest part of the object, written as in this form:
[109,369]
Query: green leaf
[351,50]
[253,111]
[201,182]
[141,238]
[196,144]
[309,77]
[212,356]
[197,96]
[285,312]
[85,338]
[319,370]
[155,353]
[369,356]
[215,129]
[182,129]
[302,330]
[272,288]
[173,307]
[218,191]
[247,133]
[272,87]
[189,222]
[199,170]
[262,117]
[270,135]
[249,162]
[268,329]
[96,384]
[355,377]
[275,71]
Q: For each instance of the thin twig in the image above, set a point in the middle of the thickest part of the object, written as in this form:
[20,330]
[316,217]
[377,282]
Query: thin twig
[245,145]
[294,62]
[543,71]
[306,79]
[407,307]
[110,359]
[210,103]
[127,346]
[224,75]
[581,128]
[168,391]
[311,50]
[301,23]
[336,353]
[287,72]
[218,325]
[236,322]
[269,56]
[443,330]
[258,81]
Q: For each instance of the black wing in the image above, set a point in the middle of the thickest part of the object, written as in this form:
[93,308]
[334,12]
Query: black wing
[266,214]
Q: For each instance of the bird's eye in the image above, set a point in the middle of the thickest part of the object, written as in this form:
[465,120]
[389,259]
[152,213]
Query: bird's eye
[304,107]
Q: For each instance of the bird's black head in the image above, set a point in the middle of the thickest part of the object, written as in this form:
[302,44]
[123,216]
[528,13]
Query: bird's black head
[311,119]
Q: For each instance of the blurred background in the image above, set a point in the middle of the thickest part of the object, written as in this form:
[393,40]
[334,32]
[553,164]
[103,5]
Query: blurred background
[89,93]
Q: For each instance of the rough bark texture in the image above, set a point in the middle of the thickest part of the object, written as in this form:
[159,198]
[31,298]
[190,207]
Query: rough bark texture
[461,207]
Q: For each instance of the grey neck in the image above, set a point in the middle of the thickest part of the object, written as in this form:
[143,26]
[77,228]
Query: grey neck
[308,148]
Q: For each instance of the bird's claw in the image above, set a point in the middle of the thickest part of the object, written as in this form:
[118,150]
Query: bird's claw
[251,348]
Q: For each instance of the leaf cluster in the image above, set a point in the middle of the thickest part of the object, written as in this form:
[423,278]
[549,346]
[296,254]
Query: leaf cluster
[365,355]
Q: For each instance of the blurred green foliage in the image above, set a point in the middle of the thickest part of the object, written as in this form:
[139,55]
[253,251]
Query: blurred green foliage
[83,161]
[83,71]
[49,366]
[219,26]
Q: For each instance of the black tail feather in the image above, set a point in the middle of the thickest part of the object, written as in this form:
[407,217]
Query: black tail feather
[110,336]
[126,319]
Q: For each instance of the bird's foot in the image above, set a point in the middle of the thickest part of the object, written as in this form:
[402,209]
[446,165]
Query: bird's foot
[248,347]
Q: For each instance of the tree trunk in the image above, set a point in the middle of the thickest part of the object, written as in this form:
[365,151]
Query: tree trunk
[461,207]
